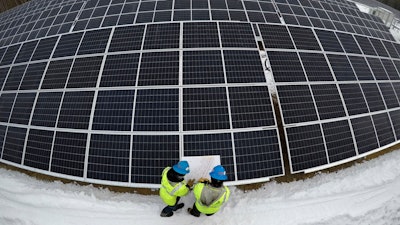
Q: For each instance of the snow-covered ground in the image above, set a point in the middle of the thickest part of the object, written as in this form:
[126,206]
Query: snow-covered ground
[364,194]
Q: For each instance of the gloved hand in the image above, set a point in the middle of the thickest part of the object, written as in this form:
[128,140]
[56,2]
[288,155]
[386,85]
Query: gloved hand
[190,183]
[204,180]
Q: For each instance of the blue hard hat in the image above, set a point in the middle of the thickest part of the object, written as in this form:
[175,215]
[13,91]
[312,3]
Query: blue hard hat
[182,167]
[219,173]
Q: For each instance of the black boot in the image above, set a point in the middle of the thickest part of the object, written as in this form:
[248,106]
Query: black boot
[178,206]
[167,211]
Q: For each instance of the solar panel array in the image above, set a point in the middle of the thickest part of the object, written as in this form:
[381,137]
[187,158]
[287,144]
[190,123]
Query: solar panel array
[114,91]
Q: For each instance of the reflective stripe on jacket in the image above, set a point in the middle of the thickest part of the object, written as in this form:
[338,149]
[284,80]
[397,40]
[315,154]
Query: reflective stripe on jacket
[216,204]
[169,191]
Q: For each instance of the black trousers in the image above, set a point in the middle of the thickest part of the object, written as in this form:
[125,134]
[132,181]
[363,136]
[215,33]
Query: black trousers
[196,212]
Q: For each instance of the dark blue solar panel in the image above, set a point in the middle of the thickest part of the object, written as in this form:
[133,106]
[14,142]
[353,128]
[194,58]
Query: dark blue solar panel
[214,109]
[57,74]
[389,95]
[251,107]
[304,38]
[391,48]
[114,110]
[329,41]
[373,97]
[69,153]
[159,68]
[275,36]
[6,104]
[75,110]
[9,55]
[395,118]
[339,140]
[3,75]
[94,41]
[237,16]
[160,36]
[365,45]
[14,144]
[14,78]
[390,69]
[257,154]
[306,147]
[109,157]
[354,99]
[383,129]
[243,66]
[328,101]
[38,149]
[379,48]
[361,68]
[68,45]
[212,144]
[200,35]
[377,68]
[316,67]
[120,70]
[239,35]
[46,109]
[25,53]
[44,48]
[151,154]
[85,72]
[341,68]
[33,76]
[157,110]
[364,132]
[297,104]
[161,16]
[349,43]
[286,67]
[202,67]
[127,39]
[22,108]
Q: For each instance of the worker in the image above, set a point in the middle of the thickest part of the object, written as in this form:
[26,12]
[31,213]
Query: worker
[210,196]
[173,187]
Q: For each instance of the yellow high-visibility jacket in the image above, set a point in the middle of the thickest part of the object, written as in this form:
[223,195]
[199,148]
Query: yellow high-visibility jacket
[202,189]
[169,191]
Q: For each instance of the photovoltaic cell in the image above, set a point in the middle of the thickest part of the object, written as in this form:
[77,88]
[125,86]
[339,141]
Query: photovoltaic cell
[69,153]
[109,157]
[354,99]
[161,36]
[3,130]
[377,68]
[379,48]
[6,104]
[238,35]
[389,95]
[365,45]
[391,48]
[306,147]
[202,67]
[120,70]
[243,66]
[297,104]
[275,36]
[127,39]
[304,38]
[85,72]
[44,48]
[9,55]
[341,68]
[316,67]
[94,42]
[383,129]
[25,53]
[390,69]
[212,144]
[329,41]
[157,110]
[373,97]
[200,35]
[75,110]
[57,74]
[151,154]
[22,108]
[361,68]
[33,76]
[205,109]
[46,109]
[251,107]
[159,68]
[68,45]
[38,149]
[114,110]
[349,43]
[3,75]
[328,101]
[365,134]
[14,144]
[286,67]
[339,140]
[395,118]
[14,78]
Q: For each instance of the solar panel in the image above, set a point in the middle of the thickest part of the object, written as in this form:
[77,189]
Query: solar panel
[22,108]
[377,68]
[14,78]
[57,74]
[127,38]
[365,45]
[68,45]
[383,128]
[6,103]
[113,110]
[161,36]
[3,130]
[33,76]
[9,55]
[109,157]
[120,70]
[364,133]
[203,67]
[373,97]
[44,48]
[328,101]
[85,72]
[276,36]
[94,42]
[390,69]
[286,66]
[200,35]
[243,66]
[304,38]
[75,110]
[316,67]
[379,48]
[238,35]
[26,51]
[349,43]
[354,99]
[341,68]
[38,149]
[361,68]
[329,41]
[389,95]
[395,118]
[14,144]
[159,68]
[46,109]
[157,110]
